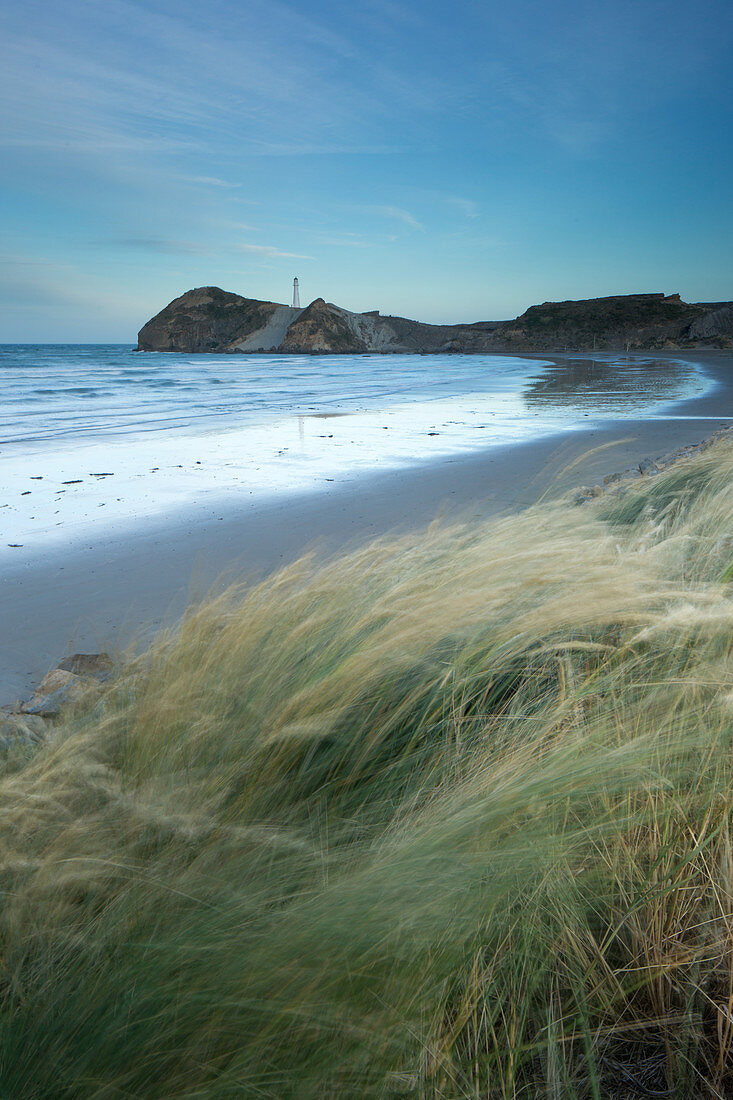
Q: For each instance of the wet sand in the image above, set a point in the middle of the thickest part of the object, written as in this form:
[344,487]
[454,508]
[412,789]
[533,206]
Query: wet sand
[114,590]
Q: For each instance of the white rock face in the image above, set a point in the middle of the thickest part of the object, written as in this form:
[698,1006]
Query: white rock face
[273,333]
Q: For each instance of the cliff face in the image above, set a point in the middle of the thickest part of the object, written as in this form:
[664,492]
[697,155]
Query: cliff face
[205,319]
[715,325]
[212,320]
[637,320]
[322,327]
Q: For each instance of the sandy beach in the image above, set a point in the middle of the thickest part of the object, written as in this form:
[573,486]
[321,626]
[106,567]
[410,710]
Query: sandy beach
[118,589]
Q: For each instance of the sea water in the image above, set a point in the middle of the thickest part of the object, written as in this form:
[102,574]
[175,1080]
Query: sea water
[96,438]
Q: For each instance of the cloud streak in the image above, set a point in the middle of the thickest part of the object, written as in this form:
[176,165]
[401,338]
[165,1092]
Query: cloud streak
[87,78]
[467,207]
[271,252]
[160,245]
[398,214]
[211,181]
[170,247]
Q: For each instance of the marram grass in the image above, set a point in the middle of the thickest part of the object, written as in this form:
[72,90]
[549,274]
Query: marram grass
[447,817]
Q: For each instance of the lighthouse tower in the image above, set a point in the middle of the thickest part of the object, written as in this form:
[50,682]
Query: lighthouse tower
[296,294]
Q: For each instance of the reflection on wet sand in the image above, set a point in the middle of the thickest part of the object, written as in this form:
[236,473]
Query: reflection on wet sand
[613,386]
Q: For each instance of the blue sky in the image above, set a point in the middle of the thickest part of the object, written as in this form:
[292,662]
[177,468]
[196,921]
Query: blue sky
[441,161]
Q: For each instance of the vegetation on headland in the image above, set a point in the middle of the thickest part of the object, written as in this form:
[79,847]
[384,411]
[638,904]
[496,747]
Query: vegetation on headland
[209,319]
[447,817]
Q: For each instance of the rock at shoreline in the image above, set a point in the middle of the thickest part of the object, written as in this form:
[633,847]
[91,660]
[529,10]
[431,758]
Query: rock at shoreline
[648,467]
[68,683]
[15,729]
[209,319]
[98,665]
[32,722]
[57,689]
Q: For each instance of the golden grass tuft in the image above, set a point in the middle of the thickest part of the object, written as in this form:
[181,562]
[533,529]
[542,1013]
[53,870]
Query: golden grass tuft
[449,816]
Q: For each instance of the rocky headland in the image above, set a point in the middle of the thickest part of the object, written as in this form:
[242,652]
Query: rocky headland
[208,319]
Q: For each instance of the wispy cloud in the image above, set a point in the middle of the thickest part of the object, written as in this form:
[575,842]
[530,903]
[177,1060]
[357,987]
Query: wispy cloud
[338,240]
[400,215]
[28,261]
[160,245]
[343,242]
[170,247]
[81,79]
[240,225]
[299,148]
[467,207]
[35,283]
[211,181]
[271,252]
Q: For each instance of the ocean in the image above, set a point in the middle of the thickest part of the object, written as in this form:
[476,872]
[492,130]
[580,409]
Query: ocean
[96,438]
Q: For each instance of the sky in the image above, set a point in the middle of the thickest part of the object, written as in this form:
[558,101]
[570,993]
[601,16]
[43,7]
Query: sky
[446,162]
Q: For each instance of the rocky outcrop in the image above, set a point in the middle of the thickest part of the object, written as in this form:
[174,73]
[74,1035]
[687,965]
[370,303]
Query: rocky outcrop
[204,320]
[645,321]
[212,320]
[272,334]
[21,730]
[323,327]
[75,678]
[57,689]
[714,325]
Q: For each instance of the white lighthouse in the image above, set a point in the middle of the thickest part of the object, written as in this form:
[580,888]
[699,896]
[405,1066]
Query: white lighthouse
[296,294]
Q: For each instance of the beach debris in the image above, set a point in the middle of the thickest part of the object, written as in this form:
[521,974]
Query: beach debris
[77,481]
[103,475]
[15,545]
[27,493]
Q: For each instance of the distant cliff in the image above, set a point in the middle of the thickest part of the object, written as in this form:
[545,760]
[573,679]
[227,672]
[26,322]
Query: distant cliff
[644,321]
[208,319]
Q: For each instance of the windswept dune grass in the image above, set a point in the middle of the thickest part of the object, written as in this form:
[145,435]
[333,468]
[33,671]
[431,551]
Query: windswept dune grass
[448,817]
